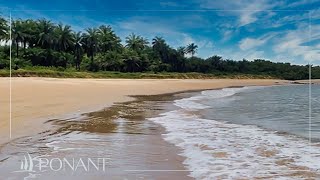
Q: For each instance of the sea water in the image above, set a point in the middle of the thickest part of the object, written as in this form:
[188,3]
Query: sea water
[248,132]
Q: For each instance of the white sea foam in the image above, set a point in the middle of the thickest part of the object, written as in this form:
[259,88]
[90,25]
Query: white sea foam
[192,103]
[220,93]
[215,149]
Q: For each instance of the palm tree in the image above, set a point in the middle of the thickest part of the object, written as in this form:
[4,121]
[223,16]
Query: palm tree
[28,28]
[157,42]
[64,37]
[181,50]
[136,42]
[181,64]
[46,29]
[192,48]
[108,40]
[132,60]
[18,34]
[90,39]
[3,29]
[160,47]
[77,48]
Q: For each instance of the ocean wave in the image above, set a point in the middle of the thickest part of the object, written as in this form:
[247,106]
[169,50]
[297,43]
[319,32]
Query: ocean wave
[215,149]
[221,150]
[190,103]
[225,92]
[193,103]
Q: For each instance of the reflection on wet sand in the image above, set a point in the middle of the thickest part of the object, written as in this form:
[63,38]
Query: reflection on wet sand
[120,133]
[112,119]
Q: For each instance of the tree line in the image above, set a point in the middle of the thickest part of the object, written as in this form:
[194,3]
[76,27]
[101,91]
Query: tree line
[44,43]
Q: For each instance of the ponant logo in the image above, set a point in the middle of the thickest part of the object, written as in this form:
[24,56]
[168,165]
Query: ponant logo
[46,163]
[27,164]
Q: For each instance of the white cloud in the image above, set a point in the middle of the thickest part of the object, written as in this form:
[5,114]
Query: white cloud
[234,54]
[247,17]
[251,55]
[301,2]
[247,11]
[201,43]
[295,19]
[227,35]
[187,39]
[249,43]
[294,44]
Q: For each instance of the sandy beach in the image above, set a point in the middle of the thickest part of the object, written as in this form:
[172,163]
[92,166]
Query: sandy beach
[36,100]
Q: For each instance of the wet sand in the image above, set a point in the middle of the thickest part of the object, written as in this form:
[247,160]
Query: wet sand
[121,133]
[36,100]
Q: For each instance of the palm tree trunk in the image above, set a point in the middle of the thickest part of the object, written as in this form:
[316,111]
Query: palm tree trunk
[91,53]
[24,45]
[17,46]
[78,62]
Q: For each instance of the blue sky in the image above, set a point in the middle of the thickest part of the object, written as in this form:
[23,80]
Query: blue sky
[282,30]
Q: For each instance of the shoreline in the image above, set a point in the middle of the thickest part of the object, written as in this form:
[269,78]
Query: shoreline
[147,142]
[36,100]
[219,136]
[97,102]
[171,150]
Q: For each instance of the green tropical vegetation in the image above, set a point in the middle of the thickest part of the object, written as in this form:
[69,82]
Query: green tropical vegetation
[43,48]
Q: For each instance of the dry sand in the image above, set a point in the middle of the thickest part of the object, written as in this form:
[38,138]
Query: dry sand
[36,100]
